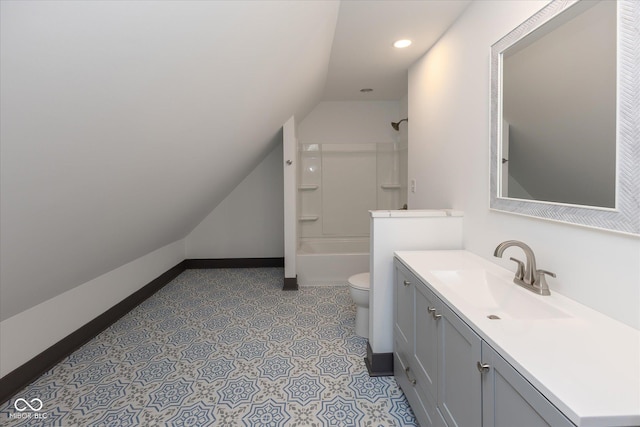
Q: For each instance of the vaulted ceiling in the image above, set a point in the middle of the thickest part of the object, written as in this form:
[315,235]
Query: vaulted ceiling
[124,123]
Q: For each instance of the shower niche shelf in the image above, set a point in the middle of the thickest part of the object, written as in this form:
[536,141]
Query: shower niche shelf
[308,187]
[308,218]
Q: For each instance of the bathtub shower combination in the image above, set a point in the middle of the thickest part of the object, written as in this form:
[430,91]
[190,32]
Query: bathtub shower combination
[338,185]
[330,262]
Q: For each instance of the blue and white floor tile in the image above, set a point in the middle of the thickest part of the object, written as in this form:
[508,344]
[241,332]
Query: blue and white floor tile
[221,347]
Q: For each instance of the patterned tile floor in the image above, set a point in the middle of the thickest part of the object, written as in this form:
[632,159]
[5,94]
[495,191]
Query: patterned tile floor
[221,347]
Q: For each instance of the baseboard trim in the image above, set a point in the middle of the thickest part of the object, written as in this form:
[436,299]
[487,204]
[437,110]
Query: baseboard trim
[290,284]
[378,364]
[20,377]
[195,263]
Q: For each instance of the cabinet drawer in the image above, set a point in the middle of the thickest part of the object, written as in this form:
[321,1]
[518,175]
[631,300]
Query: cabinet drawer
[410,390]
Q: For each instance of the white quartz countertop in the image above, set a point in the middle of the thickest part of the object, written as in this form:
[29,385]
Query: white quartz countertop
[585,363]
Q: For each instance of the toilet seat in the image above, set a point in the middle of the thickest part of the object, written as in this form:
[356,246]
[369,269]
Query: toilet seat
[360,281]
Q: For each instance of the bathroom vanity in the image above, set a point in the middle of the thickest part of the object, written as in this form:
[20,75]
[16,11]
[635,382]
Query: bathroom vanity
[473,349]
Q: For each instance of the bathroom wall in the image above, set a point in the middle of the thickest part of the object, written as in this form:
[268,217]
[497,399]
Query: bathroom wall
[32,331]
[125,123]
[348,143]
[249,222]
[449,158]
[350,122]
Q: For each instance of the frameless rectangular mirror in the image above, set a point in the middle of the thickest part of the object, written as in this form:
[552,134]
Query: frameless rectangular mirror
[565,118]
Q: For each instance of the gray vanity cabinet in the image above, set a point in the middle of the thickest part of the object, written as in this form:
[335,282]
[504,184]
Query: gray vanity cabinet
[403,321]
[435,357]
[446,351]
[510,400]
[438,363]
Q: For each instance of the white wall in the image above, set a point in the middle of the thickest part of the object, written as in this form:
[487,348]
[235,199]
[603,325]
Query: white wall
[124,123]
[406,231]
[449,157]
[249,222]
[350,122]
[32,331]
[290,196]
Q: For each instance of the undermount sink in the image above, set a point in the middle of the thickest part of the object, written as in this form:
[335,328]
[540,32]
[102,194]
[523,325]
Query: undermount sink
[495,295]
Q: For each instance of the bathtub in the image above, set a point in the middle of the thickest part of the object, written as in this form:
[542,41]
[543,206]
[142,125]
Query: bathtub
[330,261]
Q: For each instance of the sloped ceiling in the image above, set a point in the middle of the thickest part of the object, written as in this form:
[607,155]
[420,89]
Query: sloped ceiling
[124,123]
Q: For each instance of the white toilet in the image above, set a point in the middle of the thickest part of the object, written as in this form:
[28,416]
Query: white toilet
[359,289]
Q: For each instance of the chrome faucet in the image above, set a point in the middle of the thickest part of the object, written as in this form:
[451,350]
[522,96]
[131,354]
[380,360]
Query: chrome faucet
[528,276]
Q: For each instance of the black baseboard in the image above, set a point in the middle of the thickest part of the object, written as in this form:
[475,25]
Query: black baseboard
[234,263]
[22,376]
[378,364]
[290,284]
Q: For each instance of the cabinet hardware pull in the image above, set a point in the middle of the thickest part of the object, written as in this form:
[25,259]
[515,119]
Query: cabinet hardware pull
[407,283]
[483,367]
[406,371]
[432,310]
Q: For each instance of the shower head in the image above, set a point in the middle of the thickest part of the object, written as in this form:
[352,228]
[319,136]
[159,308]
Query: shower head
[396,125]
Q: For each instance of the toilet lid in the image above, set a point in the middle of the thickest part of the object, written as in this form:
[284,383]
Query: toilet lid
[360,281]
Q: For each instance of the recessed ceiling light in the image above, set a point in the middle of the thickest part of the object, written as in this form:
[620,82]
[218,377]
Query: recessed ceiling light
[366,90]
[402,43]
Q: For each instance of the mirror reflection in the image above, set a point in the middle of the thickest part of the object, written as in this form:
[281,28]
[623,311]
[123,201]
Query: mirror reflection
[558,124]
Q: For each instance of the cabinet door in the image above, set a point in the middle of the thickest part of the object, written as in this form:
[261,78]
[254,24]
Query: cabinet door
[508,399]
[426,344]
[403,310]
[460,381]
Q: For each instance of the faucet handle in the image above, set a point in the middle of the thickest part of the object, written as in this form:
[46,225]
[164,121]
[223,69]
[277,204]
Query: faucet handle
[543,272]
[541,283]
[520,270]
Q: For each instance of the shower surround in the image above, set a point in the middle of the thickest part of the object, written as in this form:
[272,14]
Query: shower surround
[338,185]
